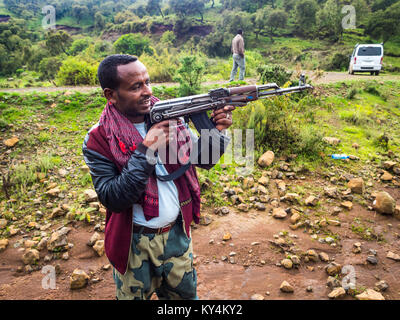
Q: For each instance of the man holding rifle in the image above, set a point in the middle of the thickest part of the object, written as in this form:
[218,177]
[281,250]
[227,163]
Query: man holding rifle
[147,234]
[238,56]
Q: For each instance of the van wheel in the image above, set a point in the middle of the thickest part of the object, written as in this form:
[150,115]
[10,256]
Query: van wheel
[377,73]
[372,73]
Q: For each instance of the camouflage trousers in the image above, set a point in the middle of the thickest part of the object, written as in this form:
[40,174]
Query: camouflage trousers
[160,263]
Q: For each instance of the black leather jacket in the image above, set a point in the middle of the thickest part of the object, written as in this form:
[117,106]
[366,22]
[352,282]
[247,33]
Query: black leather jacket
[118,190]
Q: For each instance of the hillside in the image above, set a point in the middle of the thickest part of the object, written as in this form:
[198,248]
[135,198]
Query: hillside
[300,35]
[326,219]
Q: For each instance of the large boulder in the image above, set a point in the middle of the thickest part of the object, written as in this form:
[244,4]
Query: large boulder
[370,294]
[266,159]
[79,279]
[30,256]
[356,185]
[384,203]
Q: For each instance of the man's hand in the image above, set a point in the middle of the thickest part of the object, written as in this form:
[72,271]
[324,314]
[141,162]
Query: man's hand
[159,134]
[223,117]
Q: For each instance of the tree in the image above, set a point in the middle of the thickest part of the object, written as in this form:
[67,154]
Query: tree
[305,16]
[58,42]
[189,75]
[384,24]
[329,21]
[79,12]
[99,21]
[276,19]
[187,7]
[153,7]
[134,44]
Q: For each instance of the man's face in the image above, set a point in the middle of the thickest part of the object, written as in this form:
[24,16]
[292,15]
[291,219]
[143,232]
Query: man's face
[132,98]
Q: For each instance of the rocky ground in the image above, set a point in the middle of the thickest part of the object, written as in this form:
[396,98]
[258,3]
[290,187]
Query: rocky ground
[289,234]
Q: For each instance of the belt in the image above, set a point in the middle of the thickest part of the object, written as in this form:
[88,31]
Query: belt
[137,228]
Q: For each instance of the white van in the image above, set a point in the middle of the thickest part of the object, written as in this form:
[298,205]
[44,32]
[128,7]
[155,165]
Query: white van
[366,58]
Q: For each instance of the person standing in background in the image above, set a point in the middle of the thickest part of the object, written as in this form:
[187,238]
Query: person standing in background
[238,56]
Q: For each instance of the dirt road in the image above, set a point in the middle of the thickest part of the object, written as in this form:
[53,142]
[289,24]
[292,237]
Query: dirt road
[327,77]
[247,264]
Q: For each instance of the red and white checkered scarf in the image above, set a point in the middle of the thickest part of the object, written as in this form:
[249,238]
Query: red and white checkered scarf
[123,137]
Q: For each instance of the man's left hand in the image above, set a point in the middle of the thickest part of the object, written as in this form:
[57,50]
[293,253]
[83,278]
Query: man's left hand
[223,117]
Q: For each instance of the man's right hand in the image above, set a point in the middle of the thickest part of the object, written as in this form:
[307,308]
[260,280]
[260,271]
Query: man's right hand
[159,135]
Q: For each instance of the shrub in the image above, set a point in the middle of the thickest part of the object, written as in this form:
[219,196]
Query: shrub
[371,88]
[49,67]
[275,128]
[189,75]
[134,44]
[79,45]
[168,38]
[77,72]
[274,73]
[339,61]
[161,68]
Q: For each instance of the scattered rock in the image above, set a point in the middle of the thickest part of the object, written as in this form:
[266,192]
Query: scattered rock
[96,236]
[58,240]
[311,201]
[243,207]
[263,180]
[393,256]
[295,217]
[381,285]
[337,293]
[248,182]
[389,164]
[384,203]
[286,287]
[279,213]
[3,223]
[357,185]
[257,296]
[291,197]
[332,282]
[287,263]
[205,220]
[260,206]
[53,192]
[11,142]
[57,212]
[356,247]
[324,257]
[90,195]
[331,192]
[266,159]
[386,176]
[79,279]
[372,260]
[295,260]
[370,294]
[312,255]
[331,140]
[3,244]
[30,256]
[347,205]
[99,247]
[227,236]
[333,268]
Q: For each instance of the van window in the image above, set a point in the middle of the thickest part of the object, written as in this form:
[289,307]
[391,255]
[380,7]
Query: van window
[369,51]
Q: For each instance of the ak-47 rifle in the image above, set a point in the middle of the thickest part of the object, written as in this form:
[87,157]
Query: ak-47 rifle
[195,107]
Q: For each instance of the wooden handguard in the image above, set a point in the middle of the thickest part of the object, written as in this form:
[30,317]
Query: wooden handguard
[245,89]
